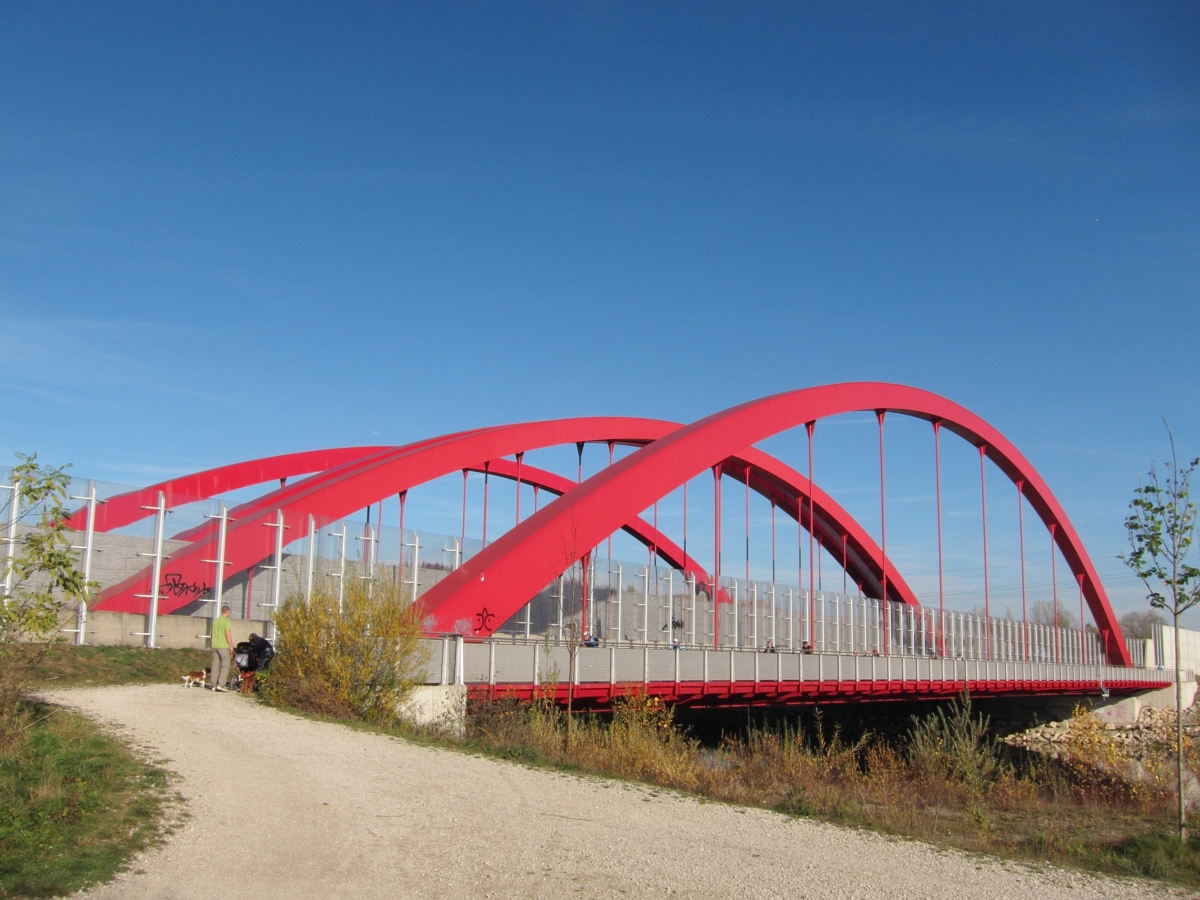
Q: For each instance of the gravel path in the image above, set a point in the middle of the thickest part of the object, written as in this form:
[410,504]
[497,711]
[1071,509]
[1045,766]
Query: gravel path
[284,807]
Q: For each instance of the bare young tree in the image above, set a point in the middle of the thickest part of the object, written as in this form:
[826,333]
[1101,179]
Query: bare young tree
[1139,624]
[1042,613]
[575,628]
[41,584]
[1162,532]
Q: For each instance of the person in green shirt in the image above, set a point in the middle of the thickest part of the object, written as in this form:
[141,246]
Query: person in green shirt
[222,645]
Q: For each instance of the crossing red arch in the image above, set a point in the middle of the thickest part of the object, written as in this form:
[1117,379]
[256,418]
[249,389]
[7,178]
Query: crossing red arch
[357,483]
[639,528]
[365,479]
[503,575]
[125,509]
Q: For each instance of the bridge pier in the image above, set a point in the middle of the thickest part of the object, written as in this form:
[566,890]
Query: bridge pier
[1125,710]
[441,706]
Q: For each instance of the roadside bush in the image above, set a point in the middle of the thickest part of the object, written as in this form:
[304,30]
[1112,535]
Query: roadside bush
[357,660]
[516,727]
[787,768]
[641,741]
[954,747]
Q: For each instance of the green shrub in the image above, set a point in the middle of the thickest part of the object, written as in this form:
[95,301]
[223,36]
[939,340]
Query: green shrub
[359,659]
[954,747]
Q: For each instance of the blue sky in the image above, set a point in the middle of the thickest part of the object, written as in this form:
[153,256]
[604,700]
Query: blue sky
[230,230]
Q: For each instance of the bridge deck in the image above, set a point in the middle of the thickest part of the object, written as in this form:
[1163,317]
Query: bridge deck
[732,677]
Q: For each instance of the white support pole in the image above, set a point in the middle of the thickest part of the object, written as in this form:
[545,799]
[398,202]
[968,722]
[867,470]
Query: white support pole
[416,563]
[376,545]
[10,538]
[218,590]
[735,613]
[368,539]
[670,607]
[753,598]
[560,611]
[620,601]
[774,636]
[791,619]
[310,568]
[340,574]
[372,550]
[837,623]
[160,516]
[89,536]
[455,552]
[646,605]
[459,675]
[160,521]
[692,595]
[819,605]
[276,573]
[589,573]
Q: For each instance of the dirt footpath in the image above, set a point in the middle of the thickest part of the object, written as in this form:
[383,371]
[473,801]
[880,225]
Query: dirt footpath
[283,807]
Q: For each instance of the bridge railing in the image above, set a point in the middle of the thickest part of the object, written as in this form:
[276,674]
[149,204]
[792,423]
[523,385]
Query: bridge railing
[638,604]
[455,660]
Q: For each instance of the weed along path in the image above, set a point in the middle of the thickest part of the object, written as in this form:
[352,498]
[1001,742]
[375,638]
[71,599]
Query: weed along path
[280,806]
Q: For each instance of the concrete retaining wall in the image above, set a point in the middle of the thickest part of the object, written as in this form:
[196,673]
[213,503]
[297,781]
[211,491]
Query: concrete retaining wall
[110,629]
[439,705]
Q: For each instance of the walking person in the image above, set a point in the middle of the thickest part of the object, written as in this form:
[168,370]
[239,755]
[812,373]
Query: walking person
[222,644]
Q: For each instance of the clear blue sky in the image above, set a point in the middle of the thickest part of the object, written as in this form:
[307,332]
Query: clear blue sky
[230,230]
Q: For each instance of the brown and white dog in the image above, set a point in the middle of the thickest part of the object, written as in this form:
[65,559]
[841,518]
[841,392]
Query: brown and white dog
[195,678]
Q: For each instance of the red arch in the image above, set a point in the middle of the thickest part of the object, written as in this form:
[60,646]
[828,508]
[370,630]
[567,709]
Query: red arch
[776,481]
[503,575]
[639,528]
[127,508]
[360,482]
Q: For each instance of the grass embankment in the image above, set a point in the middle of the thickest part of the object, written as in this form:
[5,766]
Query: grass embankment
[75,805]
[946,782]
[67,665]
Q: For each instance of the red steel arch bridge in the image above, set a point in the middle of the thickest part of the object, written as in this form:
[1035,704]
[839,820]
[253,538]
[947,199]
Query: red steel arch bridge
[501,618]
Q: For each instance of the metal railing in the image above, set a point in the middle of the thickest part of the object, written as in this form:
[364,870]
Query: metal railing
[455,660]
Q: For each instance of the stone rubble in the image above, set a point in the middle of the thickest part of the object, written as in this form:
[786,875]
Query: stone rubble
[1151,728]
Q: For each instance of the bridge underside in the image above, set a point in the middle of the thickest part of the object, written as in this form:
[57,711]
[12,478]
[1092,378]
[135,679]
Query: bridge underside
[738,694]
[716,678]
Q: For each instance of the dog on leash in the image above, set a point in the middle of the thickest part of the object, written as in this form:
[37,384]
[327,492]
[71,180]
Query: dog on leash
[195,678]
